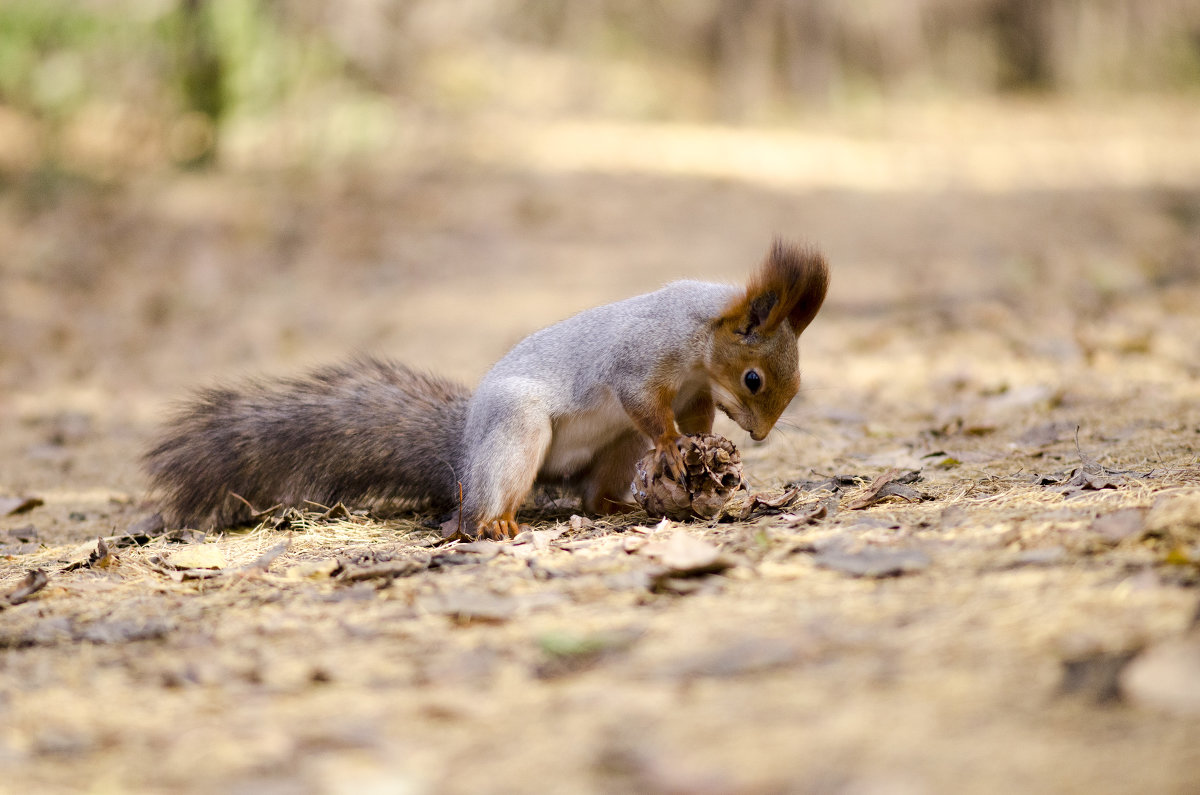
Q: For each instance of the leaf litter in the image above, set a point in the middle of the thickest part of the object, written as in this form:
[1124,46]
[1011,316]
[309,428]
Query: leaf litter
[249,655]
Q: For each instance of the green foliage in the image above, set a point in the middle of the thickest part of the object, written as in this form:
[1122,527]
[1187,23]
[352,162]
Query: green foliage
[45,48]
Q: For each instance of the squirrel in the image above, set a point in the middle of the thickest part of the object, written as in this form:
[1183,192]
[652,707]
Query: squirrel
[579,402]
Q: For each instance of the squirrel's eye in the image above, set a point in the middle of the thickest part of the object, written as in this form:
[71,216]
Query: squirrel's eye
[753,381]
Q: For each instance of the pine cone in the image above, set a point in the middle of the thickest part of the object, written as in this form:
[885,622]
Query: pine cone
[714,473]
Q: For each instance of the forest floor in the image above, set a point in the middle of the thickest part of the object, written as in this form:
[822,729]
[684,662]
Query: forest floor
[1014,316]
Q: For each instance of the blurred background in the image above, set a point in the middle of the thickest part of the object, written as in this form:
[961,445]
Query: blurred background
[197,189]
[104,85]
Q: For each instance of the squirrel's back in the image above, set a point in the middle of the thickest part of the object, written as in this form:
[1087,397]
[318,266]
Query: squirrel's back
[364,430]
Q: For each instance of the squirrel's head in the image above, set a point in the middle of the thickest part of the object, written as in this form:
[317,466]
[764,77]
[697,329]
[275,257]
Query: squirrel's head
[753,362]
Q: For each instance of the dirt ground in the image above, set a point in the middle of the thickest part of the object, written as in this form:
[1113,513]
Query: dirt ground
[1014,315]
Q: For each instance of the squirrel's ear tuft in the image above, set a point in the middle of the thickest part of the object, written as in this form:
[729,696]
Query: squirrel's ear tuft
[790,285]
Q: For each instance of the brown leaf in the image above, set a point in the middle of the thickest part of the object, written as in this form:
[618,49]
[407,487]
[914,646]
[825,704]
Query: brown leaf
[11,506]
[684,555]
[540,539]
[764,503]
[197,556]
[1115,527]
[1047,434]
[812,513]
[264,561]
[25,533]
[99,558]
[892,483]
[385,571]
[34,581]
[148,526]
[102,557]
[872,561]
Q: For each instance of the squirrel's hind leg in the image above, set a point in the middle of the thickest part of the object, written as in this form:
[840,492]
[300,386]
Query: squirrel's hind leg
[606,486]
[503,465]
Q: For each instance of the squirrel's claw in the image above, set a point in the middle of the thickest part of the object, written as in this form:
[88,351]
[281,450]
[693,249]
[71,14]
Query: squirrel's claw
[670,459]
[500,529]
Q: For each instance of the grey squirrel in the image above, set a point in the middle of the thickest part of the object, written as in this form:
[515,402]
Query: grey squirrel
[578,402]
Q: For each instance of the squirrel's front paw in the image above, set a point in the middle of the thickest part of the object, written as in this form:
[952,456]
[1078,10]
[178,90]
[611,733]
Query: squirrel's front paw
[670,459]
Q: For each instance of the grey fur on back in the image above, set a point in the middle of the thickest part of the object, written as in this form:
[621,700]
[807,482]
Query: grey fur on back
[361,431]
[613,344]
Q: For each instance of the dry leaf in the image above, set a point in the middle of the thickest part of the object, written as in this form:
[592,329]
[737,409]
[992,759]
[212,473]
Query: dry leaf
[148,526]
[763,503]
[264,561]
[384,571]
[11,506]
[684,555]
[892,483]
[468,606]
[197,556]
[34,581]
[872,561]
[1115,527]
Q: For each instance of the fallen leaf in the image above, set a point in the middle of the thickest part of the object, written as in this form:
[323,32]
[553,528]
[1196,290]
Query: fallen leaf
[316,569]
[684,555]
[122,630]
[150,526]
[834,483]
[539,539]
[197,556]
[580,523]
[102,557]
[486,550]
[1047,434]
[384,571]
[813,513]
[99,558]
[185,536]
[1089,476]
[892,483]
[1115,527]
[25,533]
[469,606]
[763,503]
[873,562]
[11,506]
[264,561]
[34,581]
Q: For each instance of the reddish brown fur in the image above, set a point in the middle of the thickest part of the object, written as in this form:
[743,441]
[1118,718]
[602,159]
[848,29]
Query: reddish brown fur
[750,334]
[791,285]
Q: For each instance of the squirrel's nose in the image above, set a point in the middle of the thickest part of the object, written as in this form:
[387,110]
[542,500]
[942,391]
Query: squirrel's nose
[758,436]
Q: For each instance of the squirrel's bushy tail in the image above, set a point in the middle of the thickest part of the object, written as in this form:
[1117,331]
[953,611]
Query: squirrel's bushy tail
[362,431]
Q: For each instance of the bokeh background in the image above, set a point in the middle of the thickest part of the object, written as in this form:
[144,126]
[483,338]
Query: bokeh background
[205,188]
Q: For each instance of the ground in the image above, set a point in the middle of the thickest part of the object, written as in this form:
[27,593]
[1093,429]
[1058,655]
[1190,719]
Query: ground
[1013,316]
